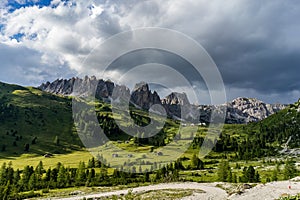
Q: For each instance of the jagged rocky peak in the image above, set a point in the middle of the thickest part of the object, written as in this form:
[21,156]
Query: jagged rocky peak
[84,87]
[243,103]
[178,106]
[245,100]
[142,86]
[251,109]
[121,92]
[43,86]
[241,110]
[143,97]
[104,88]
[59,86]
[176,98]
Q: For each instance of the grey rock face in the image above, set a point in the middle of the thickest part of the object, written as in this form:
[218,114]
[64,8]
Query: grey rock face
[59,86]
[84,87]
[143,97]
[178,105]
[242,110]
[104,89]
[253,110]
[176,98]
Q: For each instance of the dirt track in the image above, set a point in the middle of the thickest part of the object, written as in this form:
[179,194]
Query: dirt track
[269,191]
[211,191]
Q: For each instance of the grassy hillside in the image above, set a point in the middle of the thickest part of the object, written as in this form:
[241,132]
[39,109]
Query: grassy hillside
[264,138]
[278,128]
[30,116]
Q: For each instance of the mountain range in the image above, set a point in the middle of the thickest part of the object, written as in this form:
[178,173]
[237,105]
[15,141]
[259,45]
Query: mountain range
[30,116]
[177,105]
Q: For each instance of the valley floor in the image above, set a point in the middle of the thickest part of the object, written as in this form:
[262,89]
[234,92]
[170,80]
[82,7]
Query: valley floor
[212,191]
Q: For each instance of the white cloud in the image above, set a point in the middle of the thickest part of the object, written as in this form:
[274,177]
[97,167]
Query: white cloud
[96,11]
[68,31]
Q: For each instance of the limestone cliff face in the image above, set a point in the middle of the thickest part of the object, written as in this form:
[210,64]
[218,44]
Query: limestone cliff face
[85,87]
[239,111]
[176,98]
[253,109]
[143,97]
[242,110]
[59,86]
[178,105]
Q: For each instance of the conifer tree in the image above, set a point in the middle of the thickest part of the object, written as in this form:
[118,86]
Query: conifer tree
[289,169]
[61,177]
[223,170]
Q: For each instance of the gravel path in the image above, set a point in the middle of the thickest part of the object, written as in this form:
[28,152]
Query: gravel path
[211,192]
[269,191]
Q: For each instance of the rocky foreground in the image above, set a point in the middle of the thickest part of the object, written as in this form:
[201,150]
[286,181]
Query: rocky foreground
[213,191]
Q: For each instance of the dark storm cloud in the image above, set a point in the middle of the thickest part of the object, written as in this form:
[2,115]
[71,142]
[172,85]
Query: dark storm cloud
[256,46]
[145,56]
[266,69]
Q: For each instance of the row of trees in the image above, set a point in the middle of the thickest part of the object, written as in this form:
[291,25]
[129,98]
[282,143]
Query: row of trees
[250,175]
[225,174]
[13,182]
[252,146]
[88,126]
[246,149]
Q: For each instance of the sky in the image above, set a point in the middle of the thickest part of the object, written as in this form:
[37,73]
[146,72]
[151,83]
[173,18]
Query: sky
[255,44]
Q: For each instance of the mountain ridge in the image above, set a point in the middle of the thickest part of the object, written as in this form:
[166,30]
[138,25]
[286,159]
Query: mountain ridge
[238,111]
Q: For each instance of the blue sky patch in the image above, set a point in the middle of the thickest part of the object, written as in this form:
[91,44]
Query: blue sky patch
[18,36]
[15,5]
[1,27]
